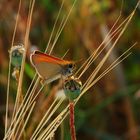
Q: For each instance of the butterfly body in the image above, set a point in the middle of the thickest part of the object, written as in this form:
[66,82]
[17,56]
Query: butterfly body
[48,66]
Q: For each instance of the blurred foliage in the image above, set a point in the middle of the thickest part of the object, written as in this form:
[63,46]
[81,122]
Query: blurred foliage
[109,111]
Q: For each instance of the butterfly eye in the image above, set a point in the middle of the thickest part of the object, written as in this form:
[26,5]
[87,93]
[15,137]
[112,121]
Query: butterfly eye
[70,65]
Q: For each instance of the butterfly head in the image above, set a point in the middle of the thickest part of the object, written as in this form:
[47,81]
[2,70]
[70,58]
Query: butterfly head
[69,69]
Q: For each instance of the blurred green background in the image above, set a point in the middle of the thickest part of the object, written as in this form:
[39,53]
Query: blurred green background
[111,109]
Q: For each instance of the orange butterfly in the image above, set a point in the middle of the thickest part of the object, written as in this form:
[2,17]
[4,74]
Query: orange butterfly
[48,66]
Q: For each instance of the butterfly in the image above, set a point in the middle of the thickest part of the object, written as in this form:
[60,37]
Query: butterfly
[48,66]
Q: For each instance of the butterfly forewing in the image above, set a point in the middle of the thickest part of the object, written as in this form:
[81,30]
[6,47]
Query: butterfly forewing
[39,57]
[48,66]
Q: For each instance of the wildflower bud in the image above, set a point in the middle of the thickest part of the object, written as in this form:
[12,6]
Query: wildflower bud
[72,87]
[16,54]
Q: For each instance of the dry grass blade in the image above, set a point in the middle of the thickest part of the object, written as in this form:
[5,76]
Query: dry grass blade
[7,99]
[46,137]
[19,89]
[97,53]
[20,129]
[115,63]
[23,60]
[22,109]
[17,123]
[22,106]
[103,74]
[41,124]
[53,125]
[48,118]
[50,38]
[25,123]
[25,108]
[95,72]
[20,124]
[9,71]
[54,122]
[65,54]
[111,34]
[94,53]
[62,25]
[108,38]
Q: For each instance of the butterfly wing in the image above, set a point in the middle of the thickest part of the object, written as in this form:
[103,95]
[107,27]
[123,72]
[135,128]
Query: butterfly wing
[47,66]
[47,70]
[49,58]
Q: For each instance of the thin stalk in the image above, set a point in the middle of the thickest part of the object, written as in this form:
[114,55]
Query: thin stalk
[72,124]
[110,50]
[41,124]
[7,100]
[58,118]
[103,74]
[8,84]
[54,128]
[19,90]
[108,36]
[50,38]
[20,125]
[110,33]
[96,54]
[23,60]
[27,119]
[61,28]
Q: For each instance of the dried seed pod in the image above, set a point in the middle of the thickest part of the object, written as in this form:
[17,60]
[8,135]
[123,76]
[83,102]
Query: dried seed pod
[72,87]
[16,54]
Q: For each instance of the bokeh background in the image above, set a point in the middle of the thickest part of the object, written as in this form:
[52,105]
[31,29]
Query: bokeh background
[111,109]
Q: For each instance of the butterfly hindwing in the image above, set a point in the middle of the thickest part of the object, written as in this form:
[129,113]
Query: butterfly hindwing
[47,70]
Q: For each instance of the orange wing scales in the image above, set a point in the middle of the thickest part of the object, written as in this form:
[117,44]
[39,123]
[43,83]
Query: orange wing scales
[42,57]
